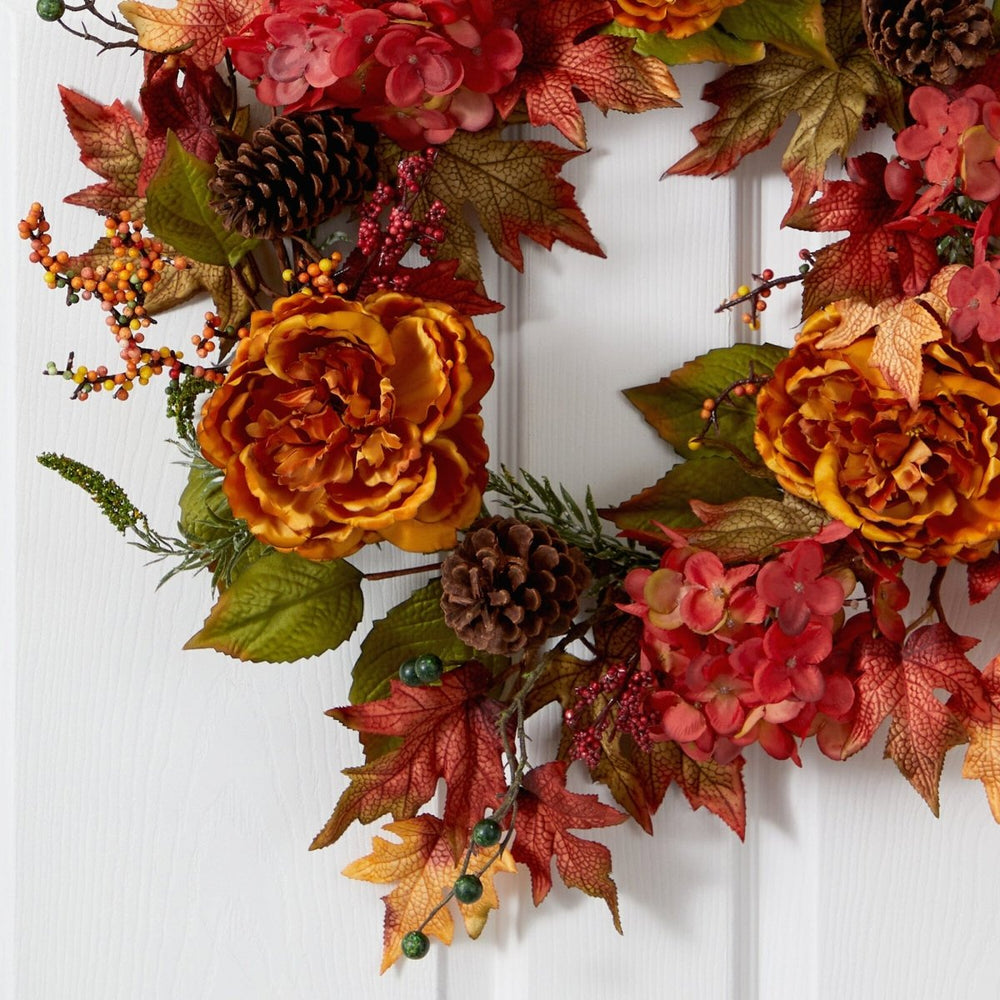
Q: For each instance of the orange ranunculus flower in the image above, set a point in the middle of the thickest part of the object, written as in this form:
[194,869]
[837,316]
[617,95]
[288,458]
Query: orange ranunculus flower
[345,422]
[923,481]
[675,18]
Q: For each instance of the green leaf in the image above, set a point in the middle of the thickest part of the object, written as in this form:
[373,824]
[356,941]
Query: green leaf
[284,608]
[673,405]
[178,212]
[712,480]
[793,25]
[204,507]
[711,45]
[413,627]
[751,528]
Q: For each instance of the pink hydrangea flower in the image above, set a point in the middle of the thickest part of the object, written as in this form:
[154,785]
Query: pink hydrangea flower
[792,583]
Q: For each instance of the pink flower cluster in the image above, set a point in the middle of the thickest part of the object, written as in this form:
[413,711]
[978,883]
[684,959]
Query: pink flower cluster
[954,146]
[418,70]
[744,654]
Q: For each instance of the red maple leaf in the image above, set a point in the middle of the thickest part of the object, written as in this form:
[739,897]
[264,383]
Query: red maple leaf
[437,280]
[884,257]
[112,144]
[546,812]
[448,731]
[187,110]
[601,67]
[983,577]
[901,681]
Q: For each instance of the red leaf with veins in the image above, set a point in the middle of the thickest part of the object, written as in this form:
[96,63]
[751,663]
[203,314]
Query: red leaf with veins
[448,731]
[882,258]
[113,145]
[983,576]
[982,759]
[902,682]
[546,812]
[186,110]
[602,68]
[437,280]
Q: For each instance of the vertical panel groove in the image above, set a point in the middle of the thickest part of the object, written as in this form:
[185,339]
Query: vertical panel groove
[746,193]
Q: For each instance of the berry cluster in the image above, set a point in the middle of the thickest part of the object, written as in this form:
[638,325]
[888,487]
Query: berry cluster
[423,669]
[317,277]
[135,264]
[387,228]
[617,701]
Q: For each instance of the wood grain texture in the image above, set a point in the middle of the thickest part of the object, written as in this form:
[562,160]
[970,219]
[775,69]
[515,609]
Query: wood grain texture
[165,800]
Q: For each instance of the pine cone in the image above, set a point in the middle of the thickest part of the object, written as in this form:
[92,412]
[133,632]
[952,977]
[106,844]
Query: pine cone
[928,41]
[294,173]
[511,584]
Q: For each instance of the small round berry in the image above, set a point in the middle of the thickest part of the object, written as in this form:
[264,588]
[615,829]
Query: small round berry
[50,10]
[486,833]
[428,667]
[468,888]
[415,944]
[408,673]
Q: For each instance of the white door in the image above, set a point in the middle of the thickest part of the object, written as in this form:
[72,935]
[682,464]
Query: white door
[164,800]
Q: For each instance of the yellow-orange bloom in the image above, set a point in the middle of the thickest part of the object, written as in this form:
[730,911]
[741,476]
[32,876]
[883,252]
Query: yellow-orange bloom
[674,18]
[922,481]
[345,422]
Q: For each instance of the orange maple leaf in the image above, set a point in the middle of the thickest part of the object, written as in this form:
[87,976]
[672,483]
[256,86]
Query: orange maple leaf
[113,144]
[423,866]
[982,759]
[603,68]
[198,28]
[902,681]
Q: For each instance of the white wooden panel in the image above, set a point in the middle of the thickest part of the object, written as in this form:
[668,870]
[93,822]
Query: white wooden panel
[165,799]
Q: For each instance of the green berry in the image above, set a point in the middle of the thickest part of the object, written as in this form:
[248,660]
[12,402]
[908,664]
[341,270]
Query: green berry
[415,944]
[408,673]
[486,833]
[428,668]
[50,10]
[468,888]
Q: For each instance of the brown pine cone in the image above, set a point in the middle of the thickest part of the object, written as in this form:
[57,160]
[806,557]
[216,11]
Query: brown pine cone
[928,41]
[295,172]
[511,584]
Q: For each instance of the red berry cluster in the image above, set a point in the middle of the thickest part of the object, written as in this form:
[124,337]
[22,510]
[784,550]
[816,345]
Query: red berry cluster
[618,699]
[388,229]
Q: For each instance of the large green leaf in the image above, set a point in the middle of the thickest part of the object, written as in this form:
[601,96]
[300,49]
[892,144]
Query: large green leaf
[413,627]
[178,210]
[711,45]
[668,502]
[284,608]
[673,405]
[793,25]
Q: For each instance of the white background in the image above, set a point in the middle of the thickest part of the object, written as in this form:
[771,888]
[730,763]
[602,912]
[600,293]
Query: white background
[156,805]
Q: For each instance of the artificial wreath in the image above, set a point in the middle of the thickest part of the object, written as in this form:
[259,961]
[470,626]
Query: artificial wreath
[295,159]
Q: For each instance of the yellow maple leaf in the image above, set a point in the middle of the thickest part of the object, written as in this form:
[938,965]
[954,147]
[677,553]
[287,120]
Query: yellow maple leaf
[195,27]
[902,327]
[982,759]
[424,869]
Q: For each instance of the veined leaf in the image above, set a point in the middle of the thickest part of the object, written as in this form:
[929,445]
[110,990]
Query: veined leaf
[413,627]
[178,211]
[284,608]
[673,405]
[710,45]
[793,25]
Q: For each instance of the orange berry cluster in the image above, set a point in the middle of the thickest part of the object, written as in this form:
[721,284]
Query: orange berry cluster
[317,277]
[136,264]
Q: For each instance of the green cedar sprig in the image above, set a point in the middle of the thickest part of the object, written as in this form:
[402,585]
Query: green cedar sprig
[526,496]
